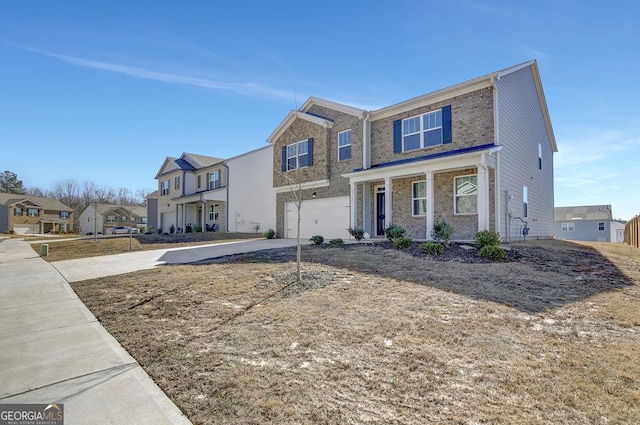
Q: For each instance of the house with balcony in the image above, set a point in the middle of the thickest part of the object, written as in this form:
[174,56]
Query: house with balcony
[478,154]
[30,215]
[214,194]
[101,218]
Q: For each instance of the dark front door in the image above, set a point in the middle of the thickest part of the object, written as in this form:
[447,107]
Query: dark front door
[380,214]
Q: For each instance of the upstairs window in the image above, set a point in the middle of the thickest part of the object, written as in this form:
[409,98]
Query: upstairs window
[419,198]
[344,145]
[539,156]
[568,227]
[123,219]
[297,155]
[143,220]
[214,180]
[422,131]
[199,181]
[33,212]
[601,226]
[466,194]
[525,201]
[164,188]
[17,211]
[111,219]
[65,214]
[177,183]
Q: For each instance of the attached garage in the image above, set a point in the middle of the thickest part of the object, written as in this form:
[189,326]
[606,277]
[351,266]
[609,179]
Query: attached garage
[326,217]
[26,229]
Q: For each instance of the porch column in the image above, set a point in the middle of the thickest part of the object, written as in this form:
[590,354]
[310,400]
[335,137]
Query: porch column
[353,204]
[388,200]
[366,208]
[203,214]
[430,204]
[483,198]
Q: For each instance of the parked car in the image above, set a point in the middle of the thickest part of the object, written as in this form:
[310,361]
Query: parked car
[124,229]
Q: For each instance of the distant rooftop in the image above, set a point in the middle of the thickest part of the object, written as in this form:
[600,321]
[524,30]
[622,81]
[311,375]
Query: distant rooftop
[585,212]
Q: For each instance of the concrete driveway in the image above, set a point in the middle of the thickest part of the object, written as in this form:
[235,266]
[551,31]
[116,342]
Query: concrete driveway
[94,267]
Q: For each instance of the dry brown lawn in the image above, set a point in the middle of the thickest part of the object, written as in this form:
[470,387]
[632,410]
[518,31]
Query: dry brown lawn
[108,245]
[380,336]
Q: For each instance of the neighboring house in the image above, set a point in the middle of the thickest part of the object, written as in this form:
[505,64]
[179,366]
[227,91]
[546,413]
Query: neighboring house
[232,195]
[100,218]
[478,154]
[152,210]
[24,214]
[617,231]
[584,223]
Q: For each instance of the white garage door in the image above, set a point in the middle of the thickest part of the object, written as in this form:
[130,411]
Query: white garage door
[26,229]
[326,217]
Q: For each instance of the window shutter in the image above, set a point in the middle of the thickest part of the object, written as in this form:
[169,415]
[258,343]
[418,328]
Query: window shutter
[446,124]
[284,159]
[310,150]
[397,136]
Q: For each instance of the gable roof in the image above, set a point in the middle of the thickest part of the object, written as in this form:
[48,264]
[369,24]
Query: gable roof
[200,161]
[186,162]
[107,208]
[356,112]
[585,212]
[291,117]
[8,199]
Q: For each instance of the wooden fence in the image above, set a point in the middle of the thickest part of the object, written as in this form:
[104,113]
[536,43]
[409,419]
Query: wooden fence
[631,236]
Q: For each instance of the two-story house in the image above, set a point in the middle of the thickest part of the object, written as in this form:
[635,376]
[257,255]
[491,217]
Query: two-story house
[478,154]
[233,195]
[587,223]
[28,215]
[100,218]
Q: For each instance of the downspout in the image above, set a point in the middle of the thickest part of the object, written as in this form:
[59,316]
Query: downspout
[366,141]
[224,164]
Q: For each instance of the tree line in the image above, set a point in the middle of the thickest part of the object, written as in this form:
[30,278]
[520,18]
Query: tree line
[74,194]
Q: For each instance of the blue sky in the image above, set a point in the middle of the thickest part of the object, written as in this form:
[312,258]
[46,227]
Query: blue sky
[104,91]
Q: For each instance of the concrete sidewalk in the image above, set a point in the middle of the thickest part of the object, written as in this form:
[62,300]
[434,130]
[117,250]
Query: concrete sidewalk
[94,267]
[53,350]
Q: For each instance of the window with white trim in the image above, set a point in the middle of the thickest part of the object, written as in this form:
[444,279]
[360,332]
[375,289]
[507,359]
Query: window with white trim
[525,201]
[298,155]
[111,219]
[568,227]
[33,212]
[64,227]
[65,214]
[344,145]
[177,183]
[539,156]
[465,194]
[419,198]
[601,226]
[214,180]
[17,211]
[422,131]
[199,181]
[213,212]
[164,188]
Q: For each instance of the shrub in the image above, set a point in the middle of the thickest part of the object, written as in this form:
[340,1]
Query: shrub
[402,243]
[197,228]
[493,253]
[148,230]
[357,233]
[334,243]
[172,229]
[487,238]
[432,248]
[269,234]
[393,231]
[442,231]
[317,239]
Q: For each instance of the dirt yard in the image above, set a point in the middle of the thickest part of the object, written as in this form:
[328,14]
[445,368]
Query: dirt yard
[375,335]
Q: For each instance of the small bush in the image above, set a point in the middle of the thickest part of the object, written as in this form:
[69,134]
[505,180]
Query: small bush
[269,234]
[172,229]
[393,232]
[357,233]
[334,243]
[148,230]
[487,238]
[197,228]
[442,231]
[317,239]
[432,248]
[493,253]
[402,243]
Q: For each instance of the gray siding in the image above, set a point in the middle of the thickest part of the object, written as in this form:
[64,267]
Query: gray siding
[152,214]
[521,126]
[584,230]
[4,218]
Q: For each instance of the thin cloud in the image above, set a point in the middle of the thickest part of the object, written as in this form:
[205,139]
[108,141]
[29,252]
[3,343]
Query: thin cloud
[249,88]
